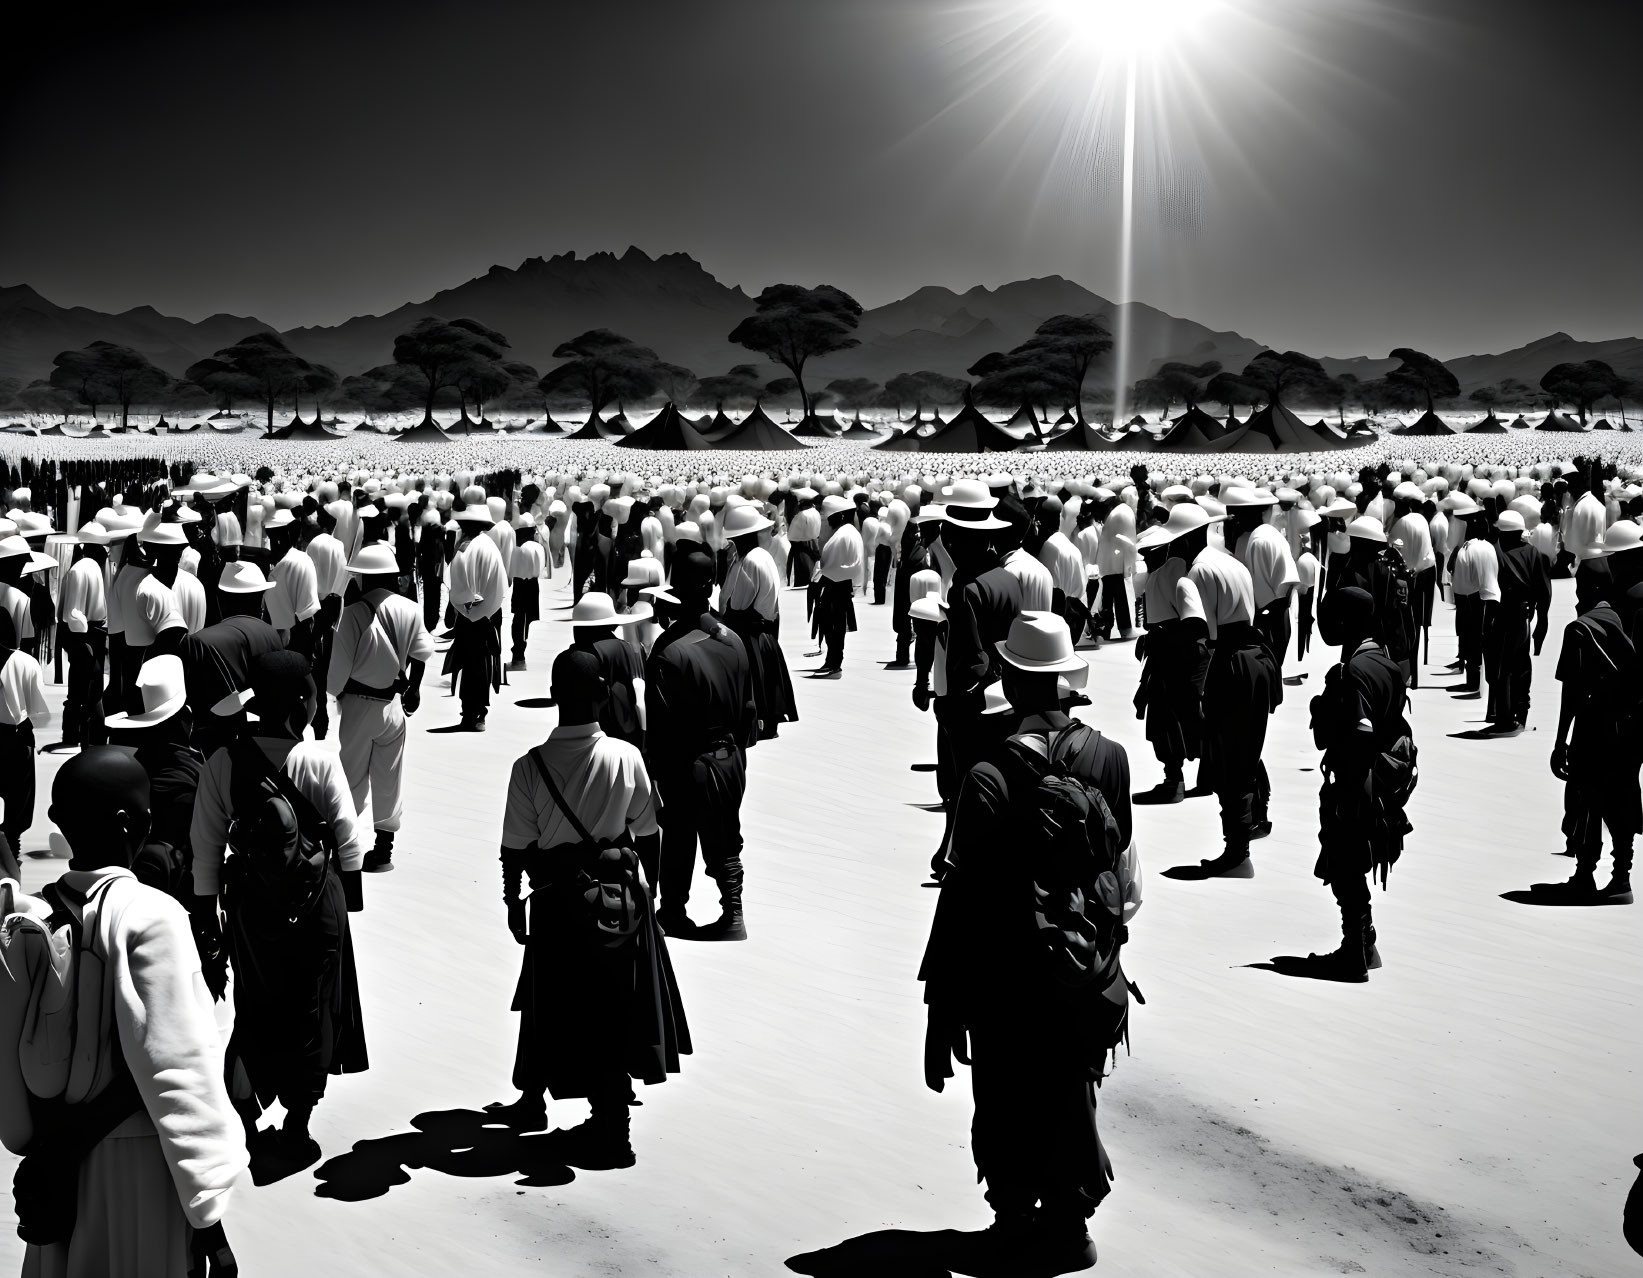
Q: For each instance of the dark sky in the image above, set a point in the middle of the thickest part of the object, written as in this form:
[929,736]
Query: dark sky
[1458,175]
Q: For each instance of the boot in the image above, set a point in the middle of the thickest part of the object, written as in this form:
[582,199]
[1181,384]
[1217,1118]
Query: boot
[676,923]
[729,925]
[1233,863]
[527,1114]
[1001,1250]
[516,665]
[1169,790]
[380,859]
[1350,962]
[1581,888]
[1619,888]
[602,1143]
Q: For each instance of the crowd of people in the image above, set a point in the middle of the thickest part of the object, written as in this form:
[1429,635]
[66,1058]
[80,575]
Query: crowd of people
[215,628]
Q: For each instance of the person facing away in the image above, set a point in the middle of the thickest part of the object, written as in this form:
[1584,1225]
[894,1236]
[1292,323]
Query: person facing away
[594,1014]
[1033,1068]
[297,1012]
[23,708]
[146,1147]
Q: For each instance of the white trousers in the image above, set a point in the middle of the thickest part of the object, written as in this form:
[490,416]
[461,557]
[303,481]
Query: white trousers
[372,737]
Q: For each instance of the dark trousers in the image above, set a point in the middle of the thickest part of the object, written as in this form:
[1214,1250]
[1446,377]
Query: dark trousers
[881,572]
[113,688]
[324,626]
[1303,624]
[802,559]
[520,631]
[83,697]
[1272,624]
[430,601]
[702,803]
[474,666]
[1507,660]
[1034,1133]
[833,616]
[17,781]
[1115,605]
[1236,708]
[1469,633]
[1594,799]
[131,665]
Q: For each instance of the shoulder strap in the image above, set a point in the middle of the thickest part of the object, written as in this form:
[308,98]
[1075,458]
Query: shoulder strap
[376,620]
[1058,747]
[250,753]
[559,799]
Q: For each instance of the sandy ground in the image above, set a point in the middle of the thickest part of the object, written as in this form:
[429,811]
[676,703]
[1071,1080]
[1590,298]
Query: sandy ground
[1472,1110]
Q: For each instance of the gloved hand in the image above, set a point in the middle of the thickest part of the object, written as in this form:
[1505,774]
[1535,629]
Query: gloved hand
[517,921]
[411,701]
[921,696]
[43,1190]
[944,1039]
[208,941]
[353,890]
[210,1255]
[1560,761]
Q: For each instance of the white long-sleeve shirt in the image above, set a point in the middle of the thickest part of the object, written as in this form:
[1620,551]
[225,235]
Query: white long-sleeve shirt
[21,696]
[842,554]
[317,775]
[529,561]
[1265,553]
[82,600]
[1065,565]
[1477,570]
[1583,526]
[479,579]
[1037,586]
[1225,590]
[190,596]
[147,606]
[752,582]
[330,565]
[1116,553]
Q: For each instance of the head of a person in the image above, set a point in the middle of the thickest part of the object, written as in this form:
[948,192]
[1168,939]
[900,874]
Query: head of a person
[1035,656]
[1576,483]
[692,578]
[283,696]
[1154,554]
[577,686]
[1017,521]
[1190,544]
[100,803]
[1346,617]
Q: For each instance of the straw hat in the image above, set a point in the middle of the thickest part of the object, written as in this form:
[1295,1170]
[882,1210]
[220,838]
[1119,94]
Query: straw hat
[1040,643]
[1367,528]
[161,682]
[1184,517]
[740,521]
[243,578]
[596,608]
[376,558]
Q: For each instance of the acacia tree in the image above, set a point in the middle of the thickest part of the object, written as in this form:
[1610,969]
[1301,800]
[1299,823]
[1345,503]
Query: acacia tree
[41,396]
[854,392]
[921,388]
[1050,366]
[1581,385]
[1175,382]
[484,380]
[104,373]
[1485,397]
[1422,375]
[739,386]
[602,366]
[792,325]
[443,350]
[1267,378]
[259,366]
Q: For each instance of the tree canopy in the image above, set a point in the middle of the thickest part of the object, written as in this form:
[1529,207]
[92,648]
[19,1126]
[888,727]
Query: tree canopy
[1422,375]
[601,367]
[922,388]
[446,351]
[854,392]
[1581,385]
[1268,377]
[104,373]
[740,387]
[792,325]
[260,366]
[1175,382]
[1049,367]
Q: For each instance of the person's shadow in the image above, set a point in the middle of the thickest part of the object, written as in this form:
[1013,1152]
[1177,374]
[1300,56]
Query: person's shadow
[458,1142]
[889,1253]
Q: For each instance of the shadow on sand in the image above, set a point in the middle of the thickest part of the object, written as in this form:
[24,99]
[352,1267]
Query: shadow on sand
[889,1253]
[1303,968]
[1529,896]
[457,1142]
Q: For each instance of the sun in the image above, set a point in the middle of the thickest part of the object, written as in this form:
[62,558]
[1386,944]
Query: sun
[1102,28]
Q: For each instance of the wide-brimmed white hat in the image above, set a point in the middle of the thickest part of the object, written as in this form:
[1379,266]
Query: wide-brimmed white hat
[476,513]
[646,570]
[242,578]
[281,518]
[1235,498]
[1510,521]
[91,533]
[1622,535]
[743,520]
[163,535]
[1041,643]
[161,683]
[836,505]
[1341,508]
[596,608]
[970,505]
[1184,517]
[929,608]
[1367,528]
[378,557]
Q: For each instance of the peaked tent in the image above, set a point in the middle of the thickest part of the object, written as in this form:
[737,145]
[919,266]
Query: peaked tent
[1490,425]
[1277,430]
[813,427]
[1555,420]
[669,431]
[1522,423]
[756,434]
[1194,431]
[596,428]
[901,441]
[1603,423]
[1025,422]
[304,431]
[1428,423]
[970,431]
[1080,438]
[616,427]
[717,427]
[427,432]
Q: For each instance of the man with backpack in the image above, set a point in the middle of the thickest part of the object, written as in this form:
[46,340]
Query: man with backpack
[1021,974]
[130,1146]
[217,660]
[375,673]
[1369,771]
[596,996]
[281,805]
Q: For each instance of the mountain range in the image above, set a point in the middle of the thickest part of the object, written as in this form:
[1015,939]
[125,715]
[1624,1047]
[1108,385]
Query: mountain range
[673,305]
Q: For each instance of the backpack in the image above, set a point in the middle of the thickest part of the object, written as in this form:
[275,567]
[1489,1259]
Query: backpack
[1086,886]
[1401,634]
[613,898]
[283,849]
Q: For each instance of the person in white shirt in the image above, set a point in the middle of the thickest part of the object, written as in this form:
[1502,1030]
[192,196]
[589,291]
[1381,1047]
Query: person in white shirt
[1115,559]
[842,557]
[593,1015]
[527,566]
[1033,578]
[1411,536]
[1263,550]
[22,709]
[82,613]
[1583,525]
[1475,583]
[1065,566]
[1437,525]
[377,662]
[297,1015]
[293,603]
[749,603]
[149,1197]
[330,582]
[1240,689]
[479,583]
